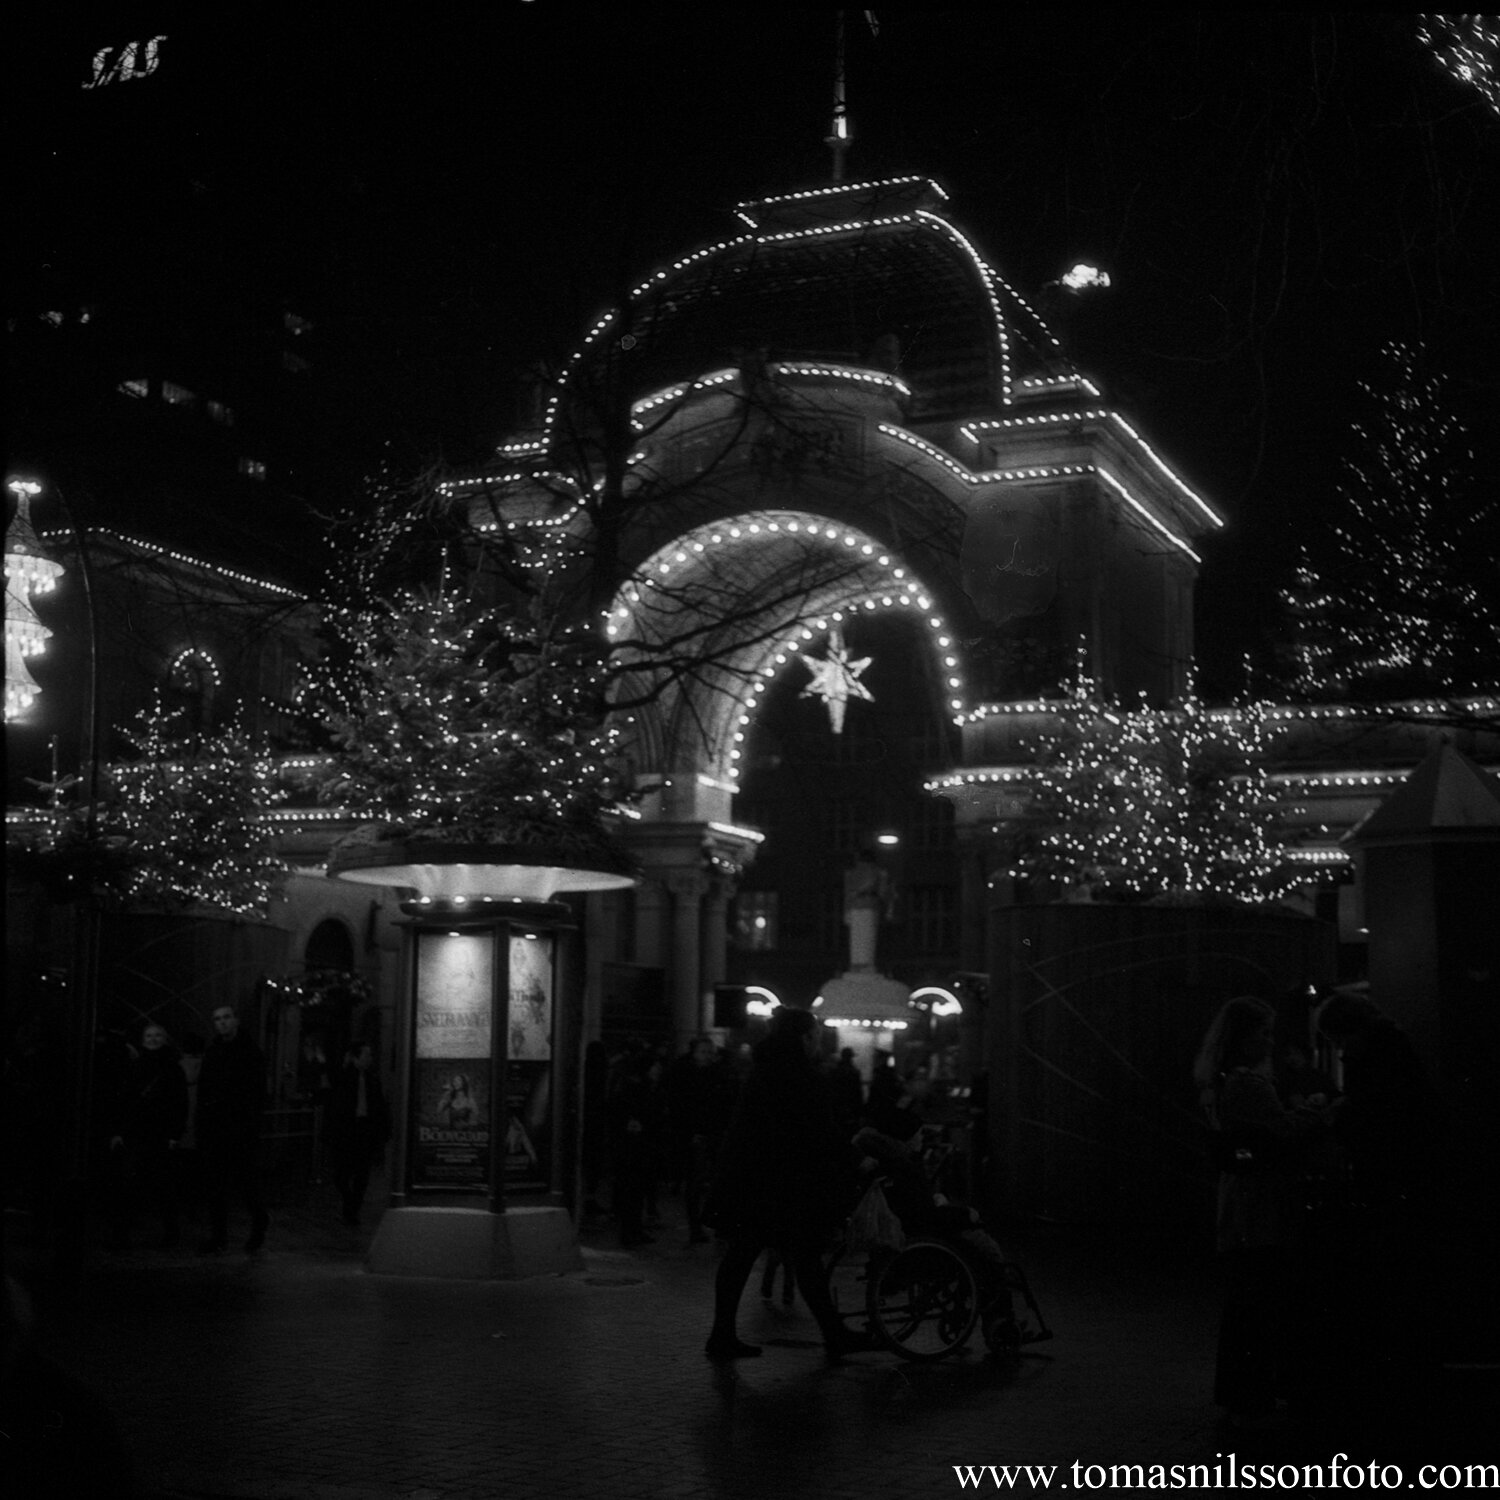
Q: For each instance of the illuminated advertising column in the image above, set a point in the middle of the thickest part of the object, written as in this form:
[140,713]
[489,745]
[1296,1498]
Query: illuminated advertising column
[479,1064]
[488,1053]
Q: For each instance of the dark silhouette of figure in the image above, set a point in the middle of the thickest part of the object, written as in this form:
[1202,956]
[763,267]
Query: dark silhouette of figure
[891,1107]
[848,1091]
[1386,1125]
[153,1103]
[785,1181]
[231,1096]
[1386,1116]
[700,1100]
[358,1124]
[634,1131]
[1256,1222]
[776,1261]
[187,1159]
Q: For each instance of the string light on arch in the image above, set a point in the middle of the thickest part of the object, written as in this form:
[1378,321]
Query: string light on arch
[899,592]
[193,664]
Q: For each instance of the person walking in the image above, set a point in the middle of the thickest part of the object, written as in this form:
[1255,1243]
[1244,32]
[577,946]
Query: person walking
[231,1096]
[700,1101]
[154,1102]
[358,1127]
[785,1181]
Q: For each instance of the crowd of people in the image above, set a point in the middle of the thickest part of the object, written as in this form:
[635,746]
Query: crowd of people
[177,1131]
[1320,1191]
[759,1144]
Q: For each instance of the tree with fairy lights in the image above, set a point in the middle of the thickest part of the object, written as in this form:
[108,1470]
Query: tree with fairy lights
[1392,604]
[1135,804]
[178,824]
[459,721]
[1468,50]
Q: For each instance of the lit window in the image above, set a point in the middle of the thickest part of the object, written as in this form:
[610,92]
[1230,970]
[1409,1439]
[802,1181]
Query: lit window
[252,468]
[223,415]
[54,318]
[137,388]
[176,395]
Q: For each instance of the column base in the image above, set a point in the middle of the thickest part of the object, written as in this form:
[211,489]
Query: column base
[473,1244]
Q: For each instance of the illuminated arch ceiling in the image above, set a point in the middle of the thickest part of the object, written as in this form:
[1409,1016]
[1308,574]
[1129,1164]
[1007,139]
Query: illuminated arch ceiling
[745,597]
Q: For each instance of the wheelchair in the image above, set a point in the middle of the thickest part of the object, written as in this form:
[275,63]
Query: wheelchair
[924,1299]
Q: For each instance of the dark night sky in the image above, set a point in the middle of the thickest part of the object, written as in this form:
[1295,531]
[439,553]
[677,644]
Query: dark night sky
[452,192]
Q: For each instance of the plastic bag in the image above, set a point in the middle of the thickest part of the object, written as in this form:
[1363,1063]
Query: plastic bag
[873,1224]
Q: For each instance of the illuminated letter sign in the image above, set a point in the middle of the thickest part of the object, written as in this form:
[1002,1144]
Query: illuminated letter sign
[120,65]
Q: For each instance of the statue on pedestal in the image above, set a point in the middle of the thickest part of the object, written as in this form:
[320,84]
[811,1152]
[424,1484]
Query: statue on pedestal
[868,899]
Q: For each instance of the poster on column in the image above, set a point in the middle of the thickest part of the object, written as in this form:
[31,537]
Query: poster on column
[452,1112]
[528,1075]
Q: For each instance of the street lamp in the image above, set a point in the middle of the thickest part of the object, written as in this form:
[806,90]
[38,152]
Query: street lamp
[28,571]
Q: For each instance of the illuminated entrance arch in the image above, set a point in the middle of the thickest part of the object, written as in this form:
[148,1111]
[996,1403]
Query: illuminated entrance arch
[747,597]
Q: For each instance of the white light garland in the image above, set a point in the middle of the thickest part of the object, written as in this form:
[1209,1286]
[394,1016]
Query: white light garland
[838,189]
[971,477]
[971,430]
[157,550]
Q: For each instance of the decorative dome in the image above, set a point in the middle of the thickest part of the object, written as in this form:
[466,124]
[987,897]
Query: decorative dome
[867,274]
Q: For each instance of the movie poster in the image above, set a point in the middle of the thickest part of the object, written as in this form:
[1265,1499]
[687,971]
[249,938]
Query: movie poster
[528,1125]
[452,1112]
[530,1033]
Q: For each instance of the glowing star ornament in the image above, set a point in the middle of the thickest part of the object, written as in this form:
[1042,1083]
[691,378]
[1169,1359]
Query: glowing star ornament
[836,679]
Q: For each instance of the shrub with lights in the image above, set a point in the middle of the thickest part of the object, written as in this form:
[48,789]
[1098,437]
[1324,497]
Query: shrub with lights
[1171,805]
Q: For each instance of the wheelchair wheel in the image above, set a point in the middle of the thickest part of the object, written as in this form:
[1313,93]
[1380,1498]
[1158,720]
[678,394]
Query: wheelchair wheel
[923,1301]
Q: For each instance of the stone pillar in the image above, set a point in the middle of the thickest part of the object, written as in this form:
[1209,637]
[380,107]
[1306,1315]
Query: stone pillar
[650,923]
[685,976]
[716,932]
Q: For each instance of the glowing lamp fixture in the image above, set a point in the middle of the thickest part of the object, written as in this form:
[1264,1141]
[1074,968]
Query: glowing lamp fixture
[888,838]
[1083,276]
[764,1004]
[944,1002]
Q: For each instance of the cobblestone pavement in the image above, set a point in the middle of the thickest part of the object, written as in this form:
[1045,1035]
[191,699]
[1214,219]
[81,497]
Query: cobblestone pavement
[297,1376]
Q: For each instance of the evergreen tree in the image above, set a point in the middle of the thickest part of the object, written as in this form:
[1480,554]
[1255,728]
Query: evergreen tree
[1139,804]
[460,722]
[179,823]
[1391,606]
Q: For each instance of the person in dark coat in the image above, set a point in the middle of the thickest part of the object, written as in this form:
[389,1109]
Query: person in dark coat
[153,1116]
[231,1096]
[785,1180]
[1388,1125]
[633,1113]
[700,1100]
[848,1091]
[358,1124]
